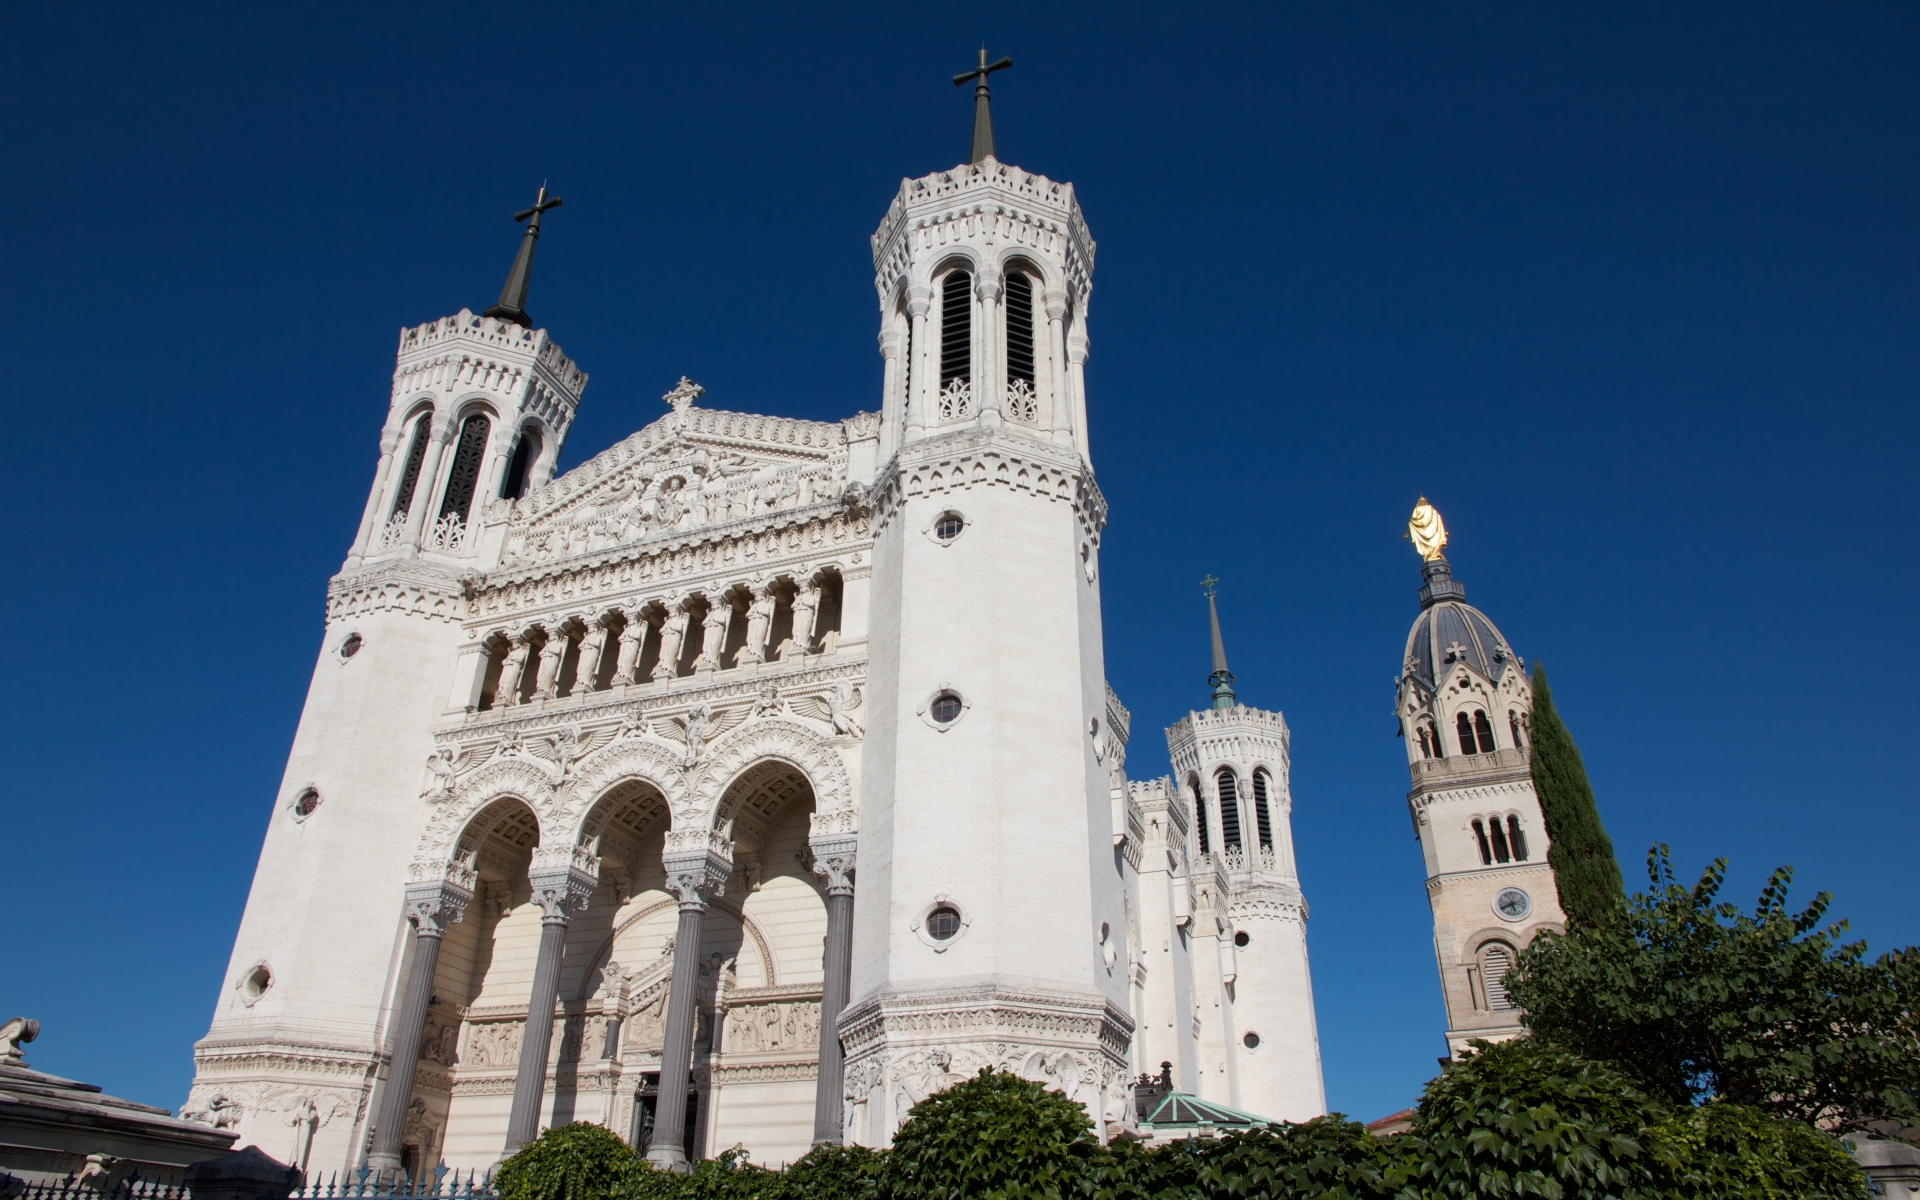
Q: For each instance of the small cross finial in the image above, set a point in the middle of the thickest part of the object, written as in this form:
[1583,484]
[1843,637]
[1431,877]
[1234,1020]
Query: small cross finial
[982,118]
[513,297]
[1208,585]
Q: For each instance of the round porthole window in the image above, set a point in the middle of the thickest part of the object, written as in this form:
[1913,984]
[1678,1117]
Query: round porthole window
[945,708]
[949,526]
[254,983]
[1250,1040]
[943,922]
[305,803]
[1241,939]
[351,646]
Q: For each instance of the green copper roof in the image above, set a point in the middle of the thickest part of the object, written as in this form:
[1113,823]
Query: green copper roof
[1178,1110]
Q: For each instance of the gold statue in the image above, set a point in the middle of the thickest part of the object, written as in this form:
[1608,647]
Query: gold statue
[1427,530]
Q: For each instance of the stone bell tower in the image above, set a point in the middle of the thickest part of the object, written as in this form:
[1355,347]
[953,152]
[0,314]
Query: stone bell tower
[1463,704]
[1258,1046]
[989,913]
[478,410]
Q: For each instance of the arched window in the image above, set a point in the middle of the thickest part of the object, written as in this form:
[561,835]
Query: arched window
[1260,808]
[1496,959]
[1480,836]
[410,476]
[1499,839]
[1515,839]
[1022,404]
[1513,727]
[1484,730]
[520,467]
[956,345]
[1430,745]
[1465,727]
[468,458]
[1229,808]
[1200,814]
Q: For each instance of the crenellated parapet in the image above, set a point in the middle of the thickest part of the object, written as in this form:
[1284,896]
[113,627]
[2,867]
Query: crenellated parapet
[985,204]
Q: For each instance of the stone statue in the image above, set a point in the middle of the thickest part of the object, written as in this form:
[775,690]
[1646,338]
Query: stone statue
[440,763]
[303,1117]
[840,701]
[673,631]
[806,602]
[1427,531]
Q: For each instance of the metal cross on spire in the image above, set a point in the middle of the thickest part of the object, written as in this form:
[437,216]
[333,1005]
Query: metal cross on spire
[982,119]
[513,297]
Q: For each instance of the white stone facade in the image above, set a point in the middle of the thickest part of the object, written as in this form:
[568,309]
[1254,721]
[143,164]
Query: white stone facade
[747,744]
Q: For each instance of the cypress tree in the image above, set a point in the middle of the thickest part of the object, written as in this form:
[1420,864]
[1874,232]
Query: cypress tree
[1580,852]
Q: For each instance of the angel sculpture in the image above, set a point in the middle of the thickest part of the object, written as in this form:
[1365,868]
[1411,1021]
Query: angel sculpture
[702,725]
[833,708]
[440,763]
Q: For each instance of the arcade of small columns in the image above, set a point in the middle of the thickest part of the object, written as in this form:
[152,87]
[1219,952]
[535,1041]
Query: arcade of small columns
[623,852]
[716,628]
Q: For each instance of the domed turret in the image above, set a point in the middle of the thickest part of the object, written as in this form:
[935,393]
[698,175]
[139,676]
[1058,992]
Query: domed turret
[1463,703]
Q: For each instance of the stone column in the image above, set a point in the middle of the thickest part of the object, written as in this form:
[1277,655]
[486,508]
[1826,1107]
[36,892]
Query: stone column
[919,394]
[695,878]
[558,892]
[431,907]
[833,862]
[1060,398]
[369,521]
[632,638]
[426,489]
[893,393]
[990,384]
[1077,391]
[551,656]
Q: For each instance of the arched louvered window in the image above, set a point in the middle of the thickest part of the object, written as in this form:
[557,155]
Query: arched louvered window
[520,466]
[1513,727]
[1229,808]
[1261,801]
[1465,727]
[1483,729]
[1200,814]
[1019,328]
[1495,961]
[468,458]
[1516,840]
[410,475]
[956,328]
[1499,838]
[1480,836]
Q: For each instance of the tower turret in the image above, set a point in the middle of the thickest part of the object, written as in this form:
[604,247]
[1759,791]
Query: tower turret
[1463,704]
[1258,1045]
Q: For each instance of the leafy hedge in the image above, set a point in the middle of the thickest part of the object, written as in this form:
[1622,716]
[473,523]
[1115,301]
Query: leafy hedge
[1522,1119]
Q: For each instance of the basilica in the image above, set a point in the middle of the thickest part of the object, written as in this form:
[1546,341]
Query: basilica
[705,793]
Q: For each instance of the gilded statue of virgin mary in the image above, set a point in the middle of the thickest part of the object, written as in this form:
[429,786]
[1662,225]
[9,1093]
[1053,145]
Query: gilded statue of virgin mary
[1427,531]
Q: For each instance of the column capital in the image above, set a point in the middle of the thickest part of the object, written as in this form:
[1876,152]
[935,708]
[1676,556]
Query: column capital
[561,891]
[989,287]
[696,878]
[1056,301]
[431,907]
[919,300]
[890,343]
[833,860]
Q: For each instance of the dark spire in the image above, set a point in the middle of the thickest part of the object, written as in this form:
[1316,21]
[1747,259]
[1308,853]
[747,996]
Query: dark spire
[513,297]
[1220,679]
[982,119]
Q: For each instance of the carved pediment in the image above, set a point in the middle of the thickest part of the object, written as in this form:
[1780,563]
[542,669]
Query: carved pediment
[691,469]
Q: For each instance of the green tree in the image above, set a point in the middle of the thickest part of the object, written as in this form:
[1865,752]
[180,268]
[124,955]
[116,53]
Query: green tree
[1694,1000]
[1578,850]
[1733,1152]
[993,1137]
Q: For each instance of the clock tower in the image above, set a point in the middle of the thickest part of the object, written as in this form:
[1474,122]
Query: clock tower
[1464,706]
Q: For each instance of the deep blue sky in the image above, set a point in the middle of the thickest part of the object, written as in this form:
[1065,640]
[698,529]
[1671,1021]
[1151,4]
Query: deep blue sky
[1629,292]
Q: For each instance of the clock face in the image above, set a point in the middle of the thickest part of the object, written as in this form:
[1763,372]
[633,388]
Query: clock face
[1512,903]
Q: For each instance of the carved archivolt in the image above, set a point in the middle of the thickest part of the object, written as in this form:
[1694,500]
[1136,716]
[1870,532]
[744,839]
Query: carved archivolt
[508,776]
[623,760]
[756,742]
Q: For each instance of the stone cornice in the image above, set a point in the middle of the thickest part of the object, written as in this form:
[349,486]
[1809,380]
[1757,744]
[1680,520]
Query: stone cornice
[407,586]
[974,456]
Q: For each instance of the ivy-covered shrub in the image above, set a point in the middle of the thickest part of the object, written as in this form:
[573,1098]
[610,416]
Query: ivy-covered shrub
[1734,1152]
[1526,1119]
[833,1173]
[993,1137]
[573,1162]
